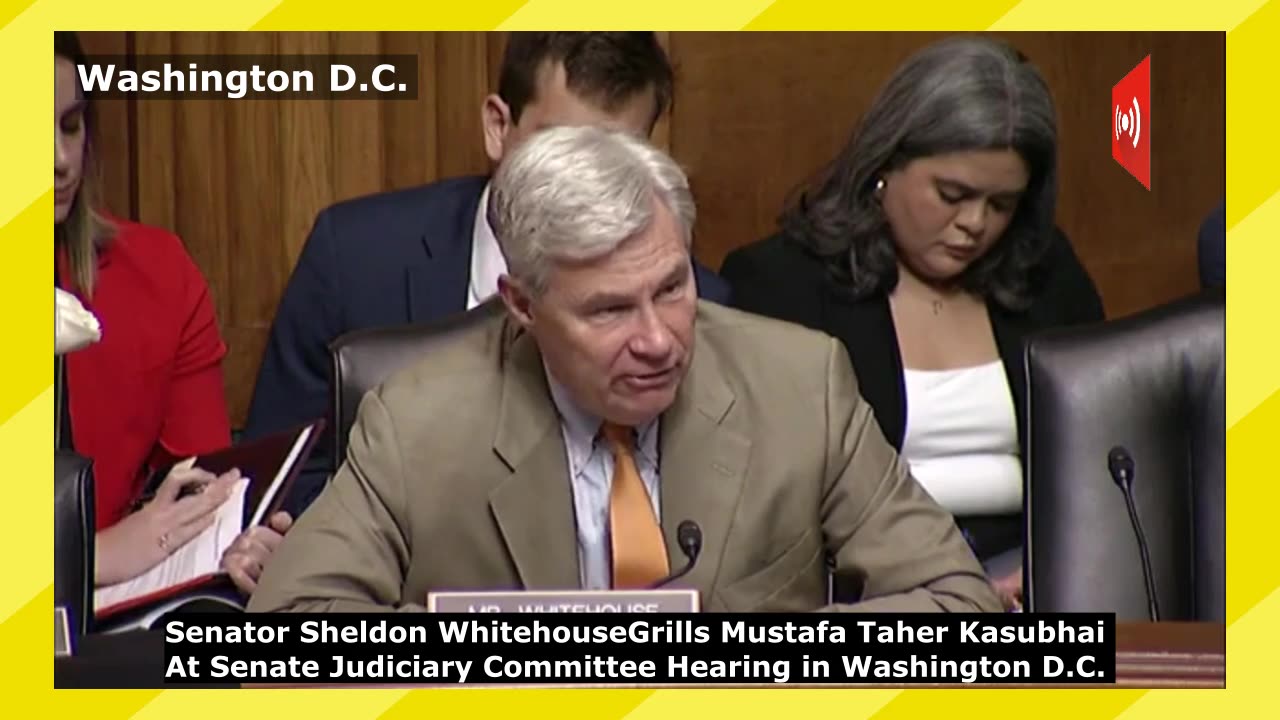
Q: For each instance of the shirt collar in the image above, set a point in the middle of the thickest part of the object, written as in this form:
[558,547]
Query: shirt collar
[582,427]
[487,262]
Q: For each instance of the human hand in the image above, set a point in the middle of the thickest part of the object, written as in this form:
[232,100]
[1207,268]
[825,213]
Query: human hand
[145,538]
[248,555]
[1009,588]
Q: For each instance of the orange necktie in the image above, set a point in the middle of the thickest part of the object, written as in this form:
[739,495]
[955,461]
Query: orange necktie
[639,552]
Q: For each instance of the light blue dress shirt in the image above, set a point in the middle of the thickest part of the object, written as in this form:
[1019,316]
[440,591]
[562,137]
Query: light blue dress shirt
[591,475]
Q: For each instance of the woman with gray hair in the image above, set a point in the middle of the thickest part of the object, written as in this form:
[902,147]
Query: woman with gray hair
[929,248]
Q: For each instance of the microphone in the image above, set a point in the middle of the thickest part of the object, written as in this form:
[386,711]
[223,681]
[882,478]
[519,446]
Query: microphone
[689,536]
[1120,463]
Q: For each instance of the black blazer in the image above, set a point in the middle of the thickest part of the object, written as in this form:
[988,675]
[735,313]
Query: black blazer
[388,259]
[778,278]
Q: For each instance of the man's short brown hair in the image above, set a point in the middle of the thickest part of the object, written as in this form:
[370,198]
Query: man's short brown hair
[607,68]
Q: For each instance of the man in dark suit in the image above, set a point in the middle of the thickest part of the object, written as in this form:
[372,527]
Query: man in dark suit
[420,254]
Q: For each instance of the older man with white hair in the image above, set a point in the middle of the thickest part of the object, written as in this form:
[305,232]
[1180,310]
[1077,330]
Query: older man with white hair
[560,443]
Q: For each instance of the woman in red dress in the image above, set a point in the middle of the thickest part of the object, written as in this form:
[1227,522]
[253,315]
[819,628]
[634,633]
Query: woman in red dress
[149,393]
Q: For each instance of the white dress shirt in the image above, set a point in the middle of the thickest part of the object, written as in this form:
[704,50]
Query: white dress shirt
[487,263]
[591,475]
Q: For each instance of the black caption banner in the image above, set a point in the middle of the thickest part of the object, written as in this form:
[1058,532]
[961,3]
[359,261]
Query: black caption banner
[637,649]
[236,77]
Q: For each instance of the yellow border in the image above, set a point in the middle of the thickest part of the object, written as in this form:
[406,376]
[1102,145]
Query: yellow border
[26,396]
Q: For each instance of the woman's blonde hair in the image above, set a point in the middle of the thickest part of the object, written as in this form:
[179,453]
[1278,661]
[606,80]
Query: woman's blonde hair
[85,230]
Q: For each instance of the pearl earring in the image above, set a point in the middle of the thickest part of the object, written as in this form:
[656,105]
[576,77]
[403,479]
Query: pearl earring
[879,189]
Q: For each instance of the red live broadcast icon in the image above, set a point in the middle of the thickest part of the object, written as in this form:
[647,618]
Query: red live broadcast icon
[1131,122]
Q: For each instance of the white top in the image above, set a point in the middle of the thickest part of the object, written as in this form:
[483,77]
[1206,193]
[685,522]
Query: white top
[487,263]
[962,439]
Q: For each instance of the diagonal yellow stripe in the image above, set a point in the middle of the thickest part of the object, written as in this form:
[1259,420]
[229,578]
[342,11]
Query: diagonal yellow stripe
[1252,150]
[29,541]
[1109,15]
[385,14]
[764,703]
[27,238]
[45,16]
[28,39]
[1049,704]
[810,14]
[1251,675]
[353,704]
[11,10]
[669,14]
[1252,252]
[505,703]
[31,629]
[1252,497]
[20,183]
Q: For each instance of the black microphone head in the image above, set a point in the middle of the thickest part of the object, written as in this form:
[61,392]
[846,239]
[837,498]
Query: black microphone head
[689,535]
[1120,463]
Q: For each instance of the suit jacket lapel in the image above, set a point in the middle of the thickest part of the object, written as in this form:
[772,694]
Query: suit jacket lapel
[438,284]
[867,331]
[702,467]
[534,506]
[1010,330]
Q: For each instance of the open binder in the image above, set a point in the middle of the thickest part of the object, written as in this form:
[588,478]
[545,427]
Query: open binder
[193,572]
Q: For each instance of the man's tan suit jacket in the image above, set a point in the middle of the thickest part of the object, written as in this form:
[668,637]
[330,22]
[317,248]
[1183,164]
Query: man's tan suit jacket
[457,479]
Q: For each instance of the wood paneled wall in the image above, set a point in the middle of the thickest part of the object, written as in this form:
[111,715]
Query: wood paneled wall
[241,181]
[755,115]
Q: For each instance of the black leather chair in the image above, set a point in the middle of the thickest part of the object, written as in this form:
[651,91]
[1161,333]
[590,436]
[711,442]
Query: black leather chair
[1151,383]
[363,359]
[73,539]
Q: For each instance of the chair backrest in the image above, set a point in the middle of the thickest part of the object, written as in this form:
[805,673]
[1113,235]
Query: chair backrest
[73,538]
[1153,384]
[363,359]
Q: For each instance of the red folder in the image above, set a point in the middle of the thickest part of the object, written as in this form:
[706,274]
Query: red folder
[269,467]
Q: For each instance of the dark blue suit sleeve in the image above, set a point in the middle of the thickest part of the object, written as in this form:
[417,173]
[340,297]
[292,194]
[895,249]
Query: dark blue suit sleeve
[710,285]
[1212,249]
[293,381]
